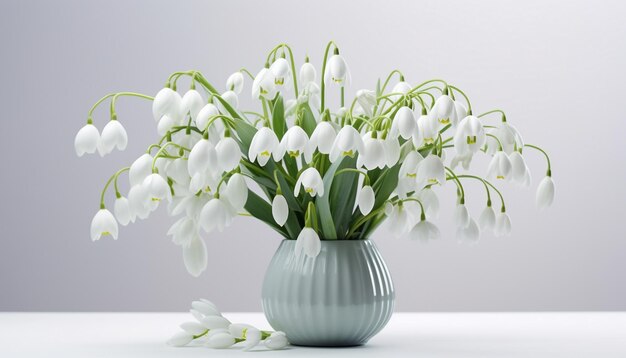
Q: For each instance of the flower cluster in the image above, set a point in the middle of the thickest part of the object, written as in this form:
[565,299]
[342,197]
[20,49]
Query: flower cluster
[211,329]
[308,171]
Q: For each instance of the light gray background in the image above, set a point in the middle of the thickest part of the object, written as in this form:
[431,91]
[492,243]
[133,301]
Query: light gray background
[556,67]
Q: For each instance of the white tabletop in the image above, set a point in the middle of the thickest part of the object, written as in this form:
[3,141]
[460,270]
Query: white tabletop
[465,335]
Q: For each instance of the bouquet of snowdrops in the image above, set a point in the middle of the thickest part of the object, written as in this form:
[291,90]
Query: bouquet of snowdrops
[308,171]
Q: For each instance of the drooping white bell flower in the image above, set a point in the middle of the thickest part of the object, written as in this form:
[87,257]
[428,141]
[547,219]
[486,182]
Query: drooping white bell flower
[503,225]
[392,151]
[220,340]
[487,219]
[469,232]
[444,112]
[206,113]
[323,137]
[178,171]
[102,224]
[308,242]
[264,85]
[183,231]
[157,187]
[295,143]
[427,130]
[424,231]
[337,71]
[373,153]
[166,124]
[500,167]
[138,200]
[469,136]
[192,103]
[307,74]
[464,159]
[398,221]
[202,157]
[366,199]
[430,171]
[527,180]
[206,181]
[461,216]
[235,82]
[311,181]
[264,144]
[407,174]
[282,72]
[122,211]
[87,140]
[206,308]
[229,97]
[400,88]
[253,337]
[280,210]
[461,110]
[236,192]
[180,339]
[507,135]
[518,167]
[228,154]
[367,100]
[140,169]
[113,136]
[215,215]
[545,192]
[347,143]
[276,340]
[430,201]
[404,123]
[167,102]
[214,322]
[195,256]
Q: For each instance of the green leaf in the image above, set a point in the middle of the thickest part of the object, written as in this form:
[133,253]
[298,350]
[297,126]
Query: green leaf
[262,210]
[342,196]
[323,204]
[385,185]
[308,121]
[278,118]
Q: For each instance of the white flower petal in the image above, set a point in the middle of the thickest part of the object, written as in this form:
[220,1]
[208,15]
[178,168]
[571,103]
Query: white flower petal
[195,257]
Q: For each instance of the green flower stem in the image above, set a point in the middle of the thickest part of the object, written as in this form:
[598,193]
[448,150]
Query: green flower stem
[342,94]
[117,191]
[212,119]
[486,182]
[382,90]
[445,84]
[423,215]
[322,84]
[469,105]
[115,95]
[364,219]
[162,149]
[266,113]
[291,60]
[366,179]
[494,111]
[496,138]
[458,184]
[549,172]
[132,94]
[201,334]
[244,70]
[106,186]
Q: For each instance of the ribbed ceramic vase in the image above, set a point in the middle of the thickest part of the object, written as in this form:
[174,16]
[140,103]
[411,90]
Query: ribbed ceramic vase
[342,297]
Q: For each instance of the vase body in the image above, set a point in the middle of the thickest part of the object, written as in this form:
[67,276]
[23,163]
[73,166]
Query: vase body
[342,297]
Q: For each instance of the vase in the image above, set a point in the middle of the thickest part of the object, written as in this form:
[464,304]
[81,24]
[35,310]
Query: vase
[342,297]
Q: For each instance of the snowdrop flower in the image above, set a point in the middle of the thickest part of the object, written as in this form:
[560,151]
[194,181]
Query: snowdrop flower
[404,123]
[180,339]
[366,199]
[236,192]
[424,231]
[392,151]
[215,322]
[113,136]
[167,102]
[401,87]
[500,167]
[470,232]
[205,307]
[461,110]
[235,82]
[220,340]
[295,142]
[157,187]
[202,157]
[347,143]
[103,224]
[444,111]
[323,137]
[367,100]
[430,171]
[311,180]
[140,169]
[280,210]
[545,192]
[373,153]
[192,103]
[195,256]
[408,173]
[461,216]
[307,73]
[507,135]
[469,136]
[399,220]
[122,211]
[282,73]
[337,71]
[264,85]
[487,219]
[215,215]
[263,145]
[87,140]
[277,340]
[503,225]
[429,200]
[183,231]
[518,166]
[427,130]
[228,154]
[137,199]
[308,242]
[206,113]
[229,97]
[253,337]
[194,328]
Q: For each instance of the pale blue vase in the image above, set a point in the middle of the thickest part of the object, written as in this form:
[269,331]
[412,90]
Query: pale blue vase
[343,297]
